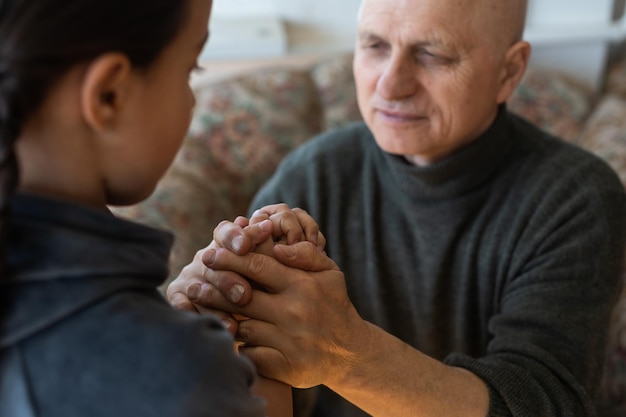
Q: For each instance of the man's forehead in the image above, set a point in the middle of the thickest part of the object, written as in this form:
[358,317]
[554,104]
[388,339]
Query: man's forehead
[406,10]
[493,18]
[486,7]
[414,21]
[416,40]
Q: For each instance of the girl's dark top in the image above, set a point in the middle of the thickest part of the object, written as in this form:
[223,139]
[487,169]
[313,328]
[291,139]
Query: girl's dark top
[85,331]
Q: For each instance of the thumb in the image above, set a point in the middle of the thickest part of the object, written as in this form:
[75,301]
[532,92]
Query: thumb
[304,255]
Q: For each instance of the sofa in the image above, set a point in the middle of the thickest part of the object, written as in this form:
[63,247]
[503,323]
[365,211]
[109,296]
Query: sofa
[248,118]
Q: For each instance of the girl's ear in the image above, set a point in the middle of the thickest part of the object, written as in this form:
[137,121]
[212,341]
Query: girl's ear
[513,69]
[104,89]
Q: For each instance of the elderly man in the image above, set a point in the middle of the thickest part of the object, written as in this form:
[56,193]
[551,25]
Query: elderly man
[481,256]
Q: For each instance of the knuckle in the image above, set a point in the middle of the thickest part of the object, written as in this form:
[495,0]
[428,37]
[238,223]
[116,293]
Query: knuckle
[257,264]
[296,313]
[218,278]
[212,277]
[209,293]
[224,232]
[259,213]
[181,280]
[222,224]
[179,301]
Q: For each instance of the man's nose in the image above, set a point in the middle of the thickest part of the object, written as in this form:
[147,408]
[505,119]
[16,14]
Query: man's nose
[398,79]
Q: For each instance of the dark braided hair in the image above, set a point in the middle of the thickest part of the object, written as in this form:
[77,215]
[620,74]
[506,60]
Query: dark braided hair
[40,40]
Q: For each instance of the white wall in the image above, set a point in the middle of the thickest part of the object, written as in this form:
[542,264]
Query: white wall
[310,25]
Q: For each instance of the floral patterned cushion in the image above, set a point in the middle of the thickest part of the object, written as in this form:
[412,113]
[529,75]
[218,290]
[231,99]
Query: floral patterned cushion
[241,129]
[605,133]
[553,102]
[616,79]
[335,82]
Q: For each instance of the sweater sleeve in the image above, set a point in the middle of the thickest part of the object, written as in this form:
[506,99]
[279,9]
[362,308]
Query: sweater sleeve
[550,329]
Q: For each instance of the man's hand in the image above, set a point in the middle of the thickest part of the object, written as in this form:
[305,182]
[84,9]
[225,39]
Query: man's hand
[193,283]
[196,285]
[304,330]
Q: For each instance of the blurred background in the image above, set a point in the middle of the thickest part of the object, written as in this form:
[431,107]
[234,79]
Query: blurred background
[244,29]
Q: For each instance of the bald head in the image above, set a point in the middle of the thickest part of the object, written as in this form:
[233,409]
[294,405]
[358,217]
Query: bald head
[503,21]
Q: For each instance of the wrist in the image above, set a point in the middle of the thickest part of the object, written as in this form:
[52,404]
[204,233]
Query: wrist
[360,354]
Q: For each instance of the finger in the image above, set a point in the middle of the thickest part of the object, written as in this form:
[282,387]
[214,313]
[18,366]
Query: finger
[228,321]
[261,306]
[263,342]
[240,236]
[258,216]
[259,233]
[234,287]
[264,270]
[309,226]
[231,236]
[255,332]
[266,248]
[242,221]
[286,225]
[205,297]
[265,212]
[177,289]
[180,301]
[321,241]
[305,256]
[269,362]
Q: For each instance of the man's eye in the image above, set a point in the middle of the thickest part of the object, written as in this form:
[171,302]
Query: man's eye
[427,54]
[376,46]
[433,58]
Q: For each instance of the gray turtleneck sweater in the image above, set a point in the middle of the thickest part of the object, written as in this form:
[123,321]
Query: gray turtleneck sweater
[503,259]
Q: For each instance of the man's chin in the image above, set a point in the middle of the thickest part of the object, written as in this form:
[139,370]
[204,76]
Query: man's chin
[405,142]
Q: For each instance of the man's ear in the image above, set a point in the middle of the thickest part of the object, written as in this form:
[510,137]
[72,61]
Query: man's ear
[513,69]
[104,89]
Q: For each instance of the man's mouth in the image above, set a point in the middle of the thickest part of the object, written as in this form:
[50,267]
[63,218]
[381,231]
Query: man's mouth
[396,116]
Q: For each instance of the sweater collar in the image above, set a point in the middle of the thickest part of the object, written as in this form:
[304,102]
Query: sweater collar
[459,173]
[53,239]
[63,258]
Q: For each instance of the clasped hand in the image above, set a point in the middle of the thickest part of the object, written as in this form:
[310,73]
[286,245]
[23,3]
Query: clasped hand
[296,321]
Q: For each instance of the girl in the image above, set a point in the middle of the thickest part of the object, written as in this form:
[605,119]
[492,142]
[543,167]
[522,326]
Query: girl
[94,103]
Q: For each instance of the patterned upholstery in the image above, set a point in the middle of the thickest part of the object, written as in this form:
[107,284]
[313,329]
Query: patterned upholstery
[241,130]
[553,102]
[335,84]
